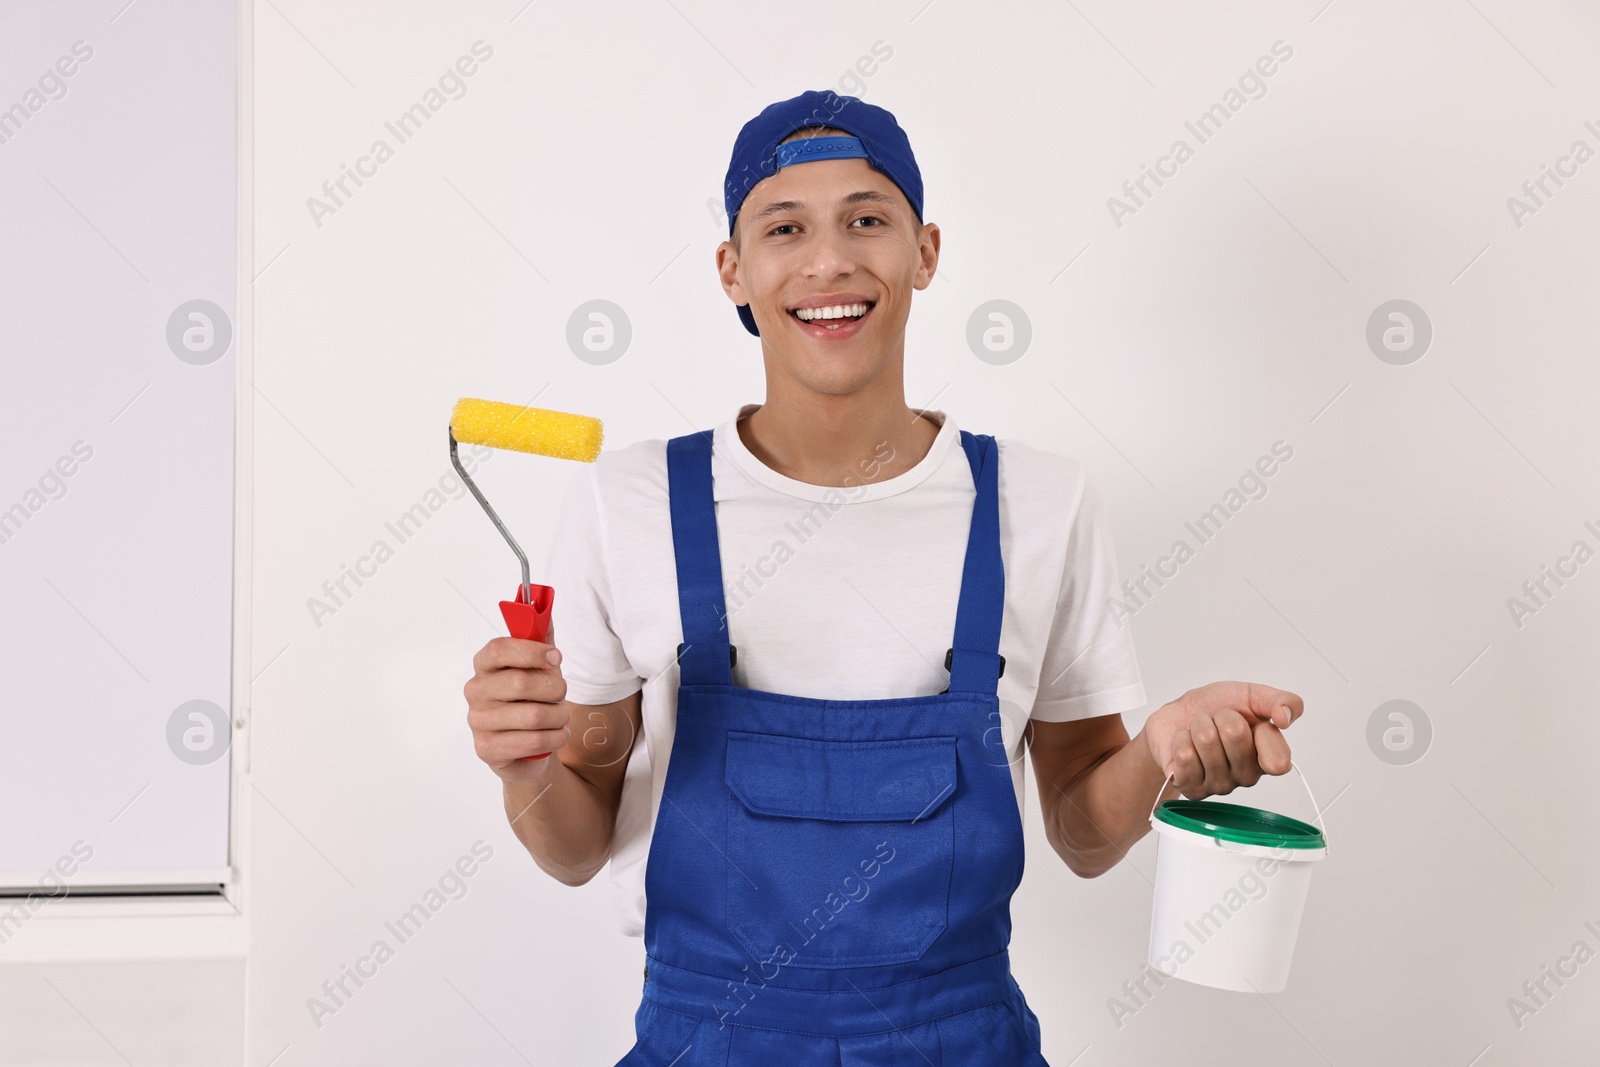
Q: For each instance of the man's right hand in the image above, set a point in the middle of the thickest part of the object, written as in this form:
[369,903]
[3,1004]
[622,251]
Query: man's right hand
[515,707]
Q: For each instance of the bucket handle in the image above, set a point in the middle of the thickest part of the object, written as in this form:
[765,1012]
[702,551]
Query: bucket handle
[1296,765]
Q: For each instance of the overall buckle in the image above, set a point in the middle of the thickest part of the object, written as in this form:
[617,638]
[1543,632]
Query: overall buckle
[949,658]
[733,654]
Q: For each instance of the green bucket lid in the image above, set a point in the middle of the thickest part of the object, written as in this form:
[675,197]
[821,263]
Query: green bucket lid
[1239,823]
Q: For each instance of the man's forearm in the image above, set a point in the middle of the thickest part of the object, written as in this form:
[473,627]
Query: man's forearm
[1094,820]
[563,822]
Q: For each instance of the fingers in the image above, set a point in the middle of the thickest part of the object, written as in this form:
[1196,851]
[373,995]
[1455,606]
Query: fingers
[1187,771]
[502,652]
[513,709]
[1272,751]
[515,706]
[1257,702]
[513,686]
[517,715]
[1277,706]
[504,732]
[1218,753]
[546,686]
[1237,741]
[1213,759]
[502,747]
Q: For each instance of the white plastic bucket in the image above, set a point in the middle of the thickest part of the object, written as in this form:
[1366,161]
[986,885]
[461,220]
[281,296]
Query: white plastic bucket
[1231,885]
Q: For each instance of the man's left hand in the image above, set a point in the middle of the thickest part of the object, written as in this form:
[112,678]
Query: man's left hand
[1221,736]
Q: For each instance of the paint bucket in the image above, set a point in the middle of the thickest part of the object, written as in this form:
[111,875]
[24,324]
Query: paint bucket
[1231,884]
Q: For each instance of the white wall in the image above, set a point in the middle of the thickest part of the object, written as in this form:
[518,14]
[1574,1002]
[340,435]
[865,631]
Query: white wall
[1228,313]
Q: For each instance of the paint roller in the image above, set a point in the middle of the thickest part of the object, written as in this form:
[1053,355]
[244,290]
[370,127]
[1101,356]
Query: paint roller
[557,434]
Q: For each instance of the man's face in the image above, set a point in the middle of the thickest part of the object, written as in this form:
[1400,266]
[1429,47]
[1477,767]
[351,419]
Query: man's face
[829,232]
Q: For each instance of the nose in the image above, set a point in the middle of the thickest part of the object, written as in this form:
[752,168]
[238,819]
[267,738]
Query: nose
[828,254]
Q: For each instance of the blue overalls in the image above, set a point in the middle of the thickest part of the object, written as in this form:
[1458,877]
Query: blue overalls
[829,881]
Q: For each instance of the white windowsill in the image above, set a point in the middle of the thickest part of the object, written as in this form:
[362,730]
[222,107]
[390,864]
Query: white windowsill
[85,929]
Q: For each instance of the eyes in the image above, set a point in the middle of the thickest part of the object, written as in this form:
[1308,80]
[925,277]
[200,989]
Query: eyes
[864,218]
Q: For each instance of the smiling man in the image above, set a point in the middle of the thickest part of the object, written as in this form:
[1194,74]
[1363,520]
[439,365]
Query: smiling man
[819,689]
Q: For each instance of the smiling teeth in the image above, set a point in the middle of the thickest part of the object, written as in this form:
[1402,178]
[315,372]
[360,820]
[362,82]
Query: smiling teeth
[838,311]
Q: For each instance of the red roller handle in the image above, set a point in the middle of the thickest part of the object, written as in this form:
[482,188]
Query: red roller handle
[529,621]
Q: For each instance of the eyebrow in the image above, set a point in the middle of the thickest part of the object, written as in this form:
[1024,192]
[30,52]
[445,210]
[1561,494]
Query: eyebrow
[858,197]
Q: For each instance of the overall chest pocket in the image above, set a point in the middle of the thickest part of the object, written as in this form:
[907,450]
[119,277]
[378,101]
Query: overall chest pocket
[839,852]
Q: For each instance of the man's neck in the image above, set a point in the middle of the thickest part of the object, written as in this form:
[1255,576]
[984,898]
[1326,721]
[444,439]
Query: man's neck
[838,440]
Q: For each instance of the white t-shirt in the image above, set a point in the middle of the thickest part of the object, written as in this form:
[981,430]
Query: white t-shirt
[833,593]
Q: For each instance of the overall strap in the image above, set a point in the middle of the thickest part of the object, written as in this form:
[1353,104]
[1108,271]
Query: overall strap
[975,662]
[704,658]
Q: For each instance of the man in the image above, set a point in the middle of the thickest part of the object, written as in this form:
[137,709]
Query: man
[838,622]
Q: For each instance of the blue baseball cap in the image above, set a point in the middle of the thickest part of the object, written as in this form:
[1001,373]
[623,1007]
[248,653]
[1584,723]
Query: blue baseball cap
[874,136]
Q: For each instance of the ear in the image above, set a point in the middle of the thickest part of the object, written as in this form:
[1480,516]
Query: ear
[728,272]
[928,253]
